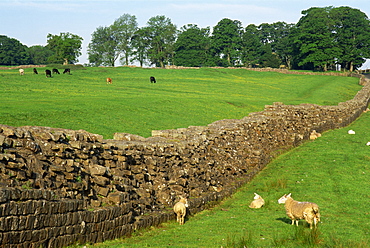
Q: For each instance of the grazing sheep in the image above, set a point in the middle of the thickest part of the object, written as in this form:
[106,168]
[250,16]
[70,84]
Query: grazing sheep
[180,210]
[21,72]
[314,135]
[35,71]
[300,210]
[258,201]
[351,132]
[67,70]
[56,71]
[48,73]
[368,143]
[109,81]
[152,80]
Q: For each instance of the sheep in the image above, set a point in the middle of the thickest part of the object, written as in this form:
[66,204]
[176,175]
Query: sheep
[48,73]
[152,79]
[314,135]
[180,210]
[351,132]
[109,81]
[301,210]
[258,201]
[21,72]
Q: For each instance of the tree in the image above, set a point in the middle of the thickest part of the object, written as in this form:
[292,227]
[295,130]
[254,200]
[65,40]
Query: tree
[161,36]
[66,48]
[140,43]
[277,35]
[39,54]
[268,57]
[314,39]
[103,48]
[12,52]
[227,41]
[124,29]
[192,46]
[252,46]
[352,31]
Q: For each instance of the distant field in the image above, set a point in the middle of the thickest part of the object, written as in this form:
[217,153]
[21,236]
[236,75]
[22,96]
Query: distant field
[132,104]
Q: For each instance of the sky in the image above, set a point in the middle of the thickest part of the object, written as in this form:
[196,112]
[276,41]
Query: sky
[30,21]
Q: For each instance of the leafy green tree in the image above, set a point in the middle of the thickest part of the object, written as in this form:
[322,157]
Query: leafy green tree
[12,52]
[39,54]
[268,57]
[277,35]
[227,41]
[192,46]
[140,43]
[124,29]
[352,31]
[314,39]
[103,48]
[66,48]
[252,46]
[161,36]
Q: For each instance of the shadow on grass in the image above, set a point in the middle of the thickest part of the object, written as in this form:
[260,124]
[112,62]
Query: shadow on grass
[285,220]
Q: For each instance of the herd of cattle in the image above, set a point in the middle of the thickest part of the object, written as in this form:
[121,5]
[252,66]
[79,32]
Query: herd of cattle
[47,72]
[56,71]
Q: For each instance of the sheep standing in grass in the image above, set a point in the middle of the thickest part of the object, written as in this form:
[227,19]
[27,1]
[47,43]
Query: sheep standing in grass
[300,210]
[180,210]
[21,72]
[258,201]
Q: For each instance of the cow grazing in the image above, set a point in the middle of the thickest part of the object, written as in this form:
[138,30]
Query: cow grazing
[48,73]
[67,71]
[56,71]
[21,72]
[35,71]
[109,81]
[152,80]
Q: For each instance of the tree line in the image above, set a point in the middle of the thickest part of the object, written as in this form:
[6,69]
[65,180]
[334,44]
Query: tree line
[323,39]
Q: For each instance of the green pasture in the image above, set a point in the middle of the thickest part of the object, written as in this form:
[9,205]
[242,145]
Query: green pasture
[332,171]
[132,104]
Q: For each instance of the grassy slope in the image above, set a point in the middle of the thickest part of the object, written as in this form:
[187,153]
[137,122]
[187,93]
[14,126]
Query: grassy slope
[333,171]
[336,176]
[180,98]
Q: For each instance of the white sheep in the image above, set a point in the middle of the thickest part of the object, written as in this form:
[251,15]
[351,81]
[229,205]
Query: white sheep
[300,210]
[351,132]
[180,210]
[258,201]
[21,72]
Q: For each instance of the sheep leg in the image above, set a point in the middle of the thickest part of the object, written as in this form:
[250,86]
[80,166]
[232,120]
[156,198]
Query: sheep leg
[178,219]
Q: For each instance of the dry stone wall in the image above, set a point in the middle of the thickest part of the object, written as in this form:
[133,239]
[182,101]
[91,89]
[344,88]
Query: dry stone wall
[60,187]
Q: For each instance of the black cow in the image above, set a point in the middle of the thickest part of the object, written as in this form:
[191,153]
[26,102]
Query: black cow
[48,73]
[35,71]
[67,71]
[56,71]
[152,80]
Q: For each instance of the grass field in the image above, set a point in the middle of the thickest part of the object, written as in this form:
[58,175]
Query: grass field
[332,171]
[132,104]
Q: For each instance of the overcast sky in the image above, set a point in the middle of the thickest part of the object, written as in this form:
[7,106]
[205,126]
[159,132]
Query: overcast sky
[29,21]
